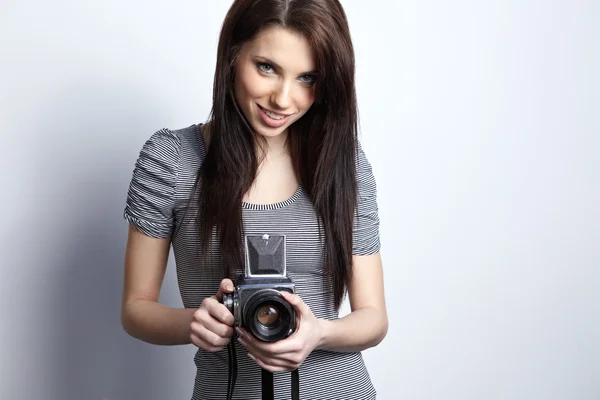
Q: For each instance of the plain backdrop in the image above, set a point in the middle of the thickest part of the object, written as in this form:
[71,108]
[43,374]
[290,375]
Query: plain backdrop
[481,120]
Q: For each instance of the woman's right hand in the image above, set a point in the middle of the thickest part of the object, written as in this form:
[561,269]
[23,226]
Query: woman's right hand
[212,326]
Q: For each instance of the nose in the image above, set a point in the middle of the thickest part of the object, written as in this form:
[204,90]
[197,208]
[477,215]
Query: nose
[282,96]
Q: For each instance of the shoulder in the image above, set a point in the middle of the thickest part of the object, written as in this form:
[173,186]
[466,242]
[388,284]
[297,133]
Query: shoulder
[163,144]
[167,161]
[169,149]
[167,139]
[366,224]
[149,201]
[364,171]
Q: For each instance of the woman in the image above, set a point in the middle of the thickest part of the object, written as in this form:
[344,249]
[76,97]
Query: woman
[279,154]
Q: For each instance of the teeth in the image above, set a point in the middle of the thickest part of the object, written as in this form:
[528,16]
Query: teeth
[274,116]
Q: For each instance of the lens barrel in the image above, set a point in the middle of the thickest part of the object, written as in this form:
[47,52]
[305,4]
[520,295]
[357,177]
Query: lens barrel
[268,316]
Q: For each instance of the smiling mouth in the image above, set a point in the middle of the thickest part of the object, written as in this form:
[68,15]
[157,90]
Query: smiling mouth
[273,114]
[271,118]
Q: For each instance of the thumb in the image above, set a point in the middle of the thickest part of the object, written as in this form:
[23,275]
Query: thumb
[297,303]
[225,287]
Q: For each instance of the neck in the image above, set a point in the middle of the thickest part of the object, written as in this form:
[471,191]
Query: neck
[267,147]
[272,147]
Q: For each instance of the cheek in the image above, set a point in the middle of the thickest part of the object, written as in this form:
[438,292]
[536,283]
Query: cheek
[306,100]
[249,84]
[241,84]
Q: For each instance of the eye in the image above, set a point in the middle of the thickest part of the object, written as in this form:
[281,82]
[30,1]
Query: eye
[308,79]
[264,67]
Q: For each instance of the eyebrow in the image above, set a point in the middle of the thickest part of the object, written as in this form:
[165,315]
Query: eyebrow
[273,63]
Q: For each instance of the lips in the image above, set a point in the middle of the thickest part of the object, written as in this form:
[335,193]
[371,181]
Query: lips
[269,120]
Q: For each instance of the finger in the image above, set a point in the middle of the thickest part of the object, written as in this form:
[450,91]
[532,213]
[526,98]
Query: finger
[216,326]
[209,337]
[218,311]
[265,348]
[263,351]
[198,342]
[270,368]
[283,346]
[296,302]
[226,286]
[252,348]
[287,360]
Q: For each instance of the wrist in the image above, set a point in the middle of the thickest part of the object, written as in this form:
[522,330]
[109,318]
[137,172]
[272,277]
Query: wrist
[324,333]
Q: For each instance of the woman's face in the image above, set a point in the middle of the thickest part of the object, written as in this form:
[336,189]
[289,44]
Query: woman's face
[275,80]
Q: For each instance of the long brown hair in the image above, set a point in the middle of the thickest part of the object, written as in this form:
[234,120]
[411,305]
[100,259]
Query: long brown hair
[322,143]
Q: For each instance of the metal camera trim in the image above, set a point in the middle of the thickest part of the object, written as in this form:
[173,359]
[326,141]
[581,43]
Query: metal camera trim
[248,270]
[232,302]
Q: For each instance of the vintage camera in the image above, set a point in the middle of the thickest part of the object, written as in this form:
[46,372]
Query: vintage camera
[256,302]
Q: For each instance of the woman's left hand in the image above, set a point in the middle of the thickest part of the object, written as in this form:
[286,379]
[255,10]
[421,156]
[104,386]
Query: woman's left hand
[286,354]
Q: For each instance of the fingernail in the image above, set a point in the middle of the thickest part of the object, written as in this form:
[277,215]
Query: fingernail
[251,356]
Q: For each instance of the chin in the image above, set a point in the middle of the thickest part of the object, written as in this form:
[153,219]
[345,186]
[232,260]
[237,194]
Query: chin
[267,132]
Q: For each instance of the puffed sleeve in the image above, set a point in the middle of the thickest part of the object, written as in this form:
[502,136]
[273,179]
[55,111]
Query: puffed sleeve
[150,199]
[366,220]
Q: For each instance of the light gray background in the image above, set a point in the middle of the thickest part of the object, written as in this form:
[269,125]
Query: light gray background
[481,120]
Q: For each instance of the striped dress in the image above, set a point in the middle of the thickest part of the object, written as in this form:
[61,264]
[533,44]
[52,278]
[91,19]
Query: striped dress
[158,204]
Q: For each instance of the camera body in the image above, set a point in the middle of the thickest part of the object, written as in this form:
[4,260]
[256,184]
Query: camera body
[256,302]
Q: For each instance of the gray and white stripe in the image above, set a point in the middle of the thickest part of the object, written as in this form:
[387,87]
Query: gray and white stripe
[158,205]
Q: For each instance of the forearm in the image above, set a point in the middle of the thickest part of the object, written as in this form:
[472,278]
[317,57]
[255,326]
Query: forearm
[155,323]
[357,331]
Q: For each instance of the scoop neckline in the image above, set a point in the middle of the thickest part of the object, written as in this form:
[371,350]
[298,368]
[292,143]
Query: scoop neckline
[273,206]
[255,206]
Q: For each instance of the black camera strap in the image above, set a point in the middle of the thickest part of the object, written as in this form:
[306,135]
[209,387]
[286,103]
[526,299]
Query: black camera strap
[267,385]
[268,392]
[232,376]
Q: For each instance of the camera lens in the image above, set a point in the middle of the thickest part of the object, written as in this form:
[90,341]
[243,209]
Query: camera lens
[268,316]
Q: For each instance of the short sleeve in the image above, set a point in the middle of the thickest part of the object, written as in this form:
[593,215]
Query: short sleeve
[150,199]
[366,220]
